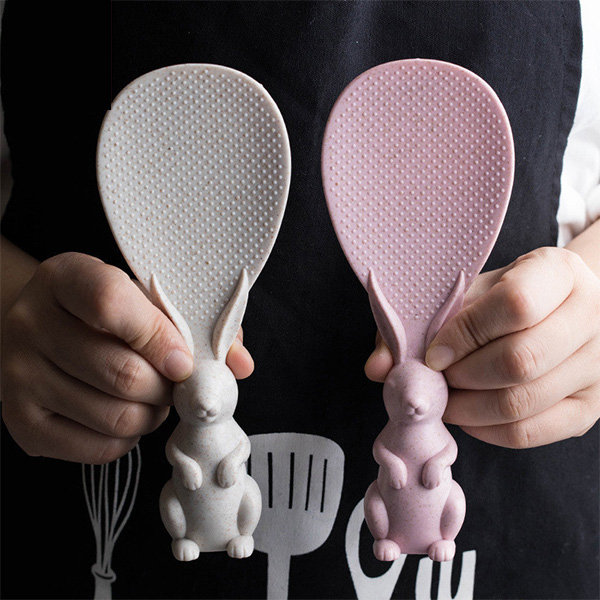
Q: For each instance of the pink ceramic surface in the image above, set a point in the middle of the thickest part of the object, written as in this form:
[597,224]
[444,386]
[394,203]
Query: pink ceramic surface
[417,166]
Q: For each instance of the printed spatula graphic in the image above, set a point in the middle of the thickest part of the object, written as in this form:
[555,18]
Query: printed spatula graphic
[417,170]
[193,168]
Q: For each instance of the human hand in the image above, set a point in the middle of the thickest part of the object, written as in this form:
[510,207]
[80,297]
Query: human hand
[88,362]
[522,356]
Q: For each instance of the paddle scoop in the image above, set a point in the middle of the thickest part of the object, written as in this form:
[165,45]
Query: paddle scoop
[193,168]
[417,170]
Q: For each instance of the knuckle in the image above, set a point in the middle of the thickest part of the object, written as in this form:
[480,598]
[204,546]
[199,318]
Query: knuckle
[126,375]
[571,259]
[519,306]
[469,330]
[51,269]
[545,253]
[22,428]
[519,363]
[522,434]
[512,403]
[153,337]
[14,374]
[20,320]
[108,291]
[126,421]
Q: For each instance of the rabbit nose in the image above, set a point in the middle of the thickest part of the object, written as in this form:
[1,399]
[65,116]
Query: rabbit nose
[210,412]
[414,408]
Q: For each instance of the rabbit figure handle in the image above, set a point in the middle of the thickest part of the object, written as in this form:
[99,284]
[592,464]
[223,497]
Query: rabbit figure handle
[414,506]
[210,504]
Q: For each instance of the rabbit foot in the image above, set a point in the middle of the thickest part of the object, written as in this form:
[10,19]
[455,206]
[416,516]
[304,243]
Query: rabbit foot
[386,550]
[241,546]
[442,550]
[185,550]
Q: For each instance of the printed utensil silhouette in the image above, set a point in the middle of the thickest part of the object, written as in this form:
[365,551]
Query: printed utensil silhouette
[300,477]
[380,587]
[193,168]
[417,169]
[110,491]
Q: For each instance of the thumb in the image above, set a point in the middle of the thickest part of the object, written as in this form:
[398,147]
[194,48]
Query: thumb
[380,361]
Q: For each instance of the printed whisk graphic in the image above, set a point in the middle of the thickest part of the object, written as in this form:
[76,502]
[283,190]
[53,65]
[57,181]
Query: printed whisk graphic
[110,492]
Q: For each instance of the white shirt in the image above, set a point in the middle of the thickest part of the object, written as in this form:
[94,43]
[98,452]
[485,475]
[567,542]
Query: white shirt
[579,202]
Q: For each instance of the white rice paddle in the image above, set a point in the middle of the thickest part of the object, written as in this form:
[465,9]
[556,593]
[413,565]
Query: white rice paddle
[193,169]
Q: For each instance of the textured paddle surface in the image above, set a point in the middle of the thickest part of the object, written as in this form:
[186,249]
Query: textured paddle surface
[193,168]
[417,168]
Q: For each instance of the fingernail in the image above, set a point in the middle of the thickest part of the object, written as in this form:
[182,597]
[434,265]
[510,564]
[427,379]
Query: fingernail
[439,357]
[178,365]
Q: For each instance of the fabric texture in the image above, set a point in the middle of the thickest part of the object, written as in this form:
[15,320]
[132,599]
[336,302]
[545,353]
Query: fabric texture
[580,181]
[532,515]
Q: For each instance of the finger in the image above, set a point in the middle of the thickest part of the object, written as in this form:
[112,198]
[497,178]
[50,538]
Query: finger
[528,354]
[64,439]
[104,297]
[101,360]
[525,294]
[571,417]
[380,361]
[41,432]
[239,360]
[508,405]
[60,393]
[483,283]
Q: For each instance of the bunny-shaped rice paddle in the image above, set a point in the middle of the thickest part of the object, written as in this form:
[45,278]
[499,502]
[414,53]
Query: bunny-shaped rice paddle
[417,167]
[194,170]
[414,506]
[211,503]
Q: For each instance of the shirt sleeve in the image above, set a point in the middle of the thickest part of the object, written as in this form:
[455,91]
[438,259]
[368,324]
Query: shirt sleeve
[579,204]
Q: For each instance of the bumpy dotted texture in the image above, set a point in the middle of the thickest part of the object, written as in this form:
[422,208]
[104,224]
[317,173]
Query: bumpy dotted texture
[417,171]
[193,169]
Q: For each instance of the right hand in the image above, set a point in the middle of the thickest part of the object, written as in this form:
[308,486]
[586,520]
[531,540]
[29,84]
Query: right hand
[88,362]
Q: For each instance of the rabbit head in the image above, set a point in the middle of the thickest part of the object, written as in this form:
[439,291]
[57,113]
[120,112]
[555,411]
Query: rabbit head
[208,395]
[412,391]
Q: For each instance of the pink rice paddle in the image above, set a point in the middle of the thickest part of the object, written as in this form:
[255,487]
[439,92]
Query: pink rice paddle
[417,165]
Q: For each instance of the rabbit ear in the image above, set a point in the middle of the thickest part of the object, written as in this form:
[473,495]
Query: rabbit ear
[162,301]
[388,322]
[231,318]
[450,307]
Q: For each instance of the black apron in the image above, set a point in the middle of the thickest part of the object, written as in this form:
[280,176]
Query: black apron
[531,529]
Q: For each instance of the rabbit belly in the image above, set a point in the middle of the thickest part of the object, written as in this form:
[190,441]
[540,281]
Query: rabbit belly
[211,514]
[415,514]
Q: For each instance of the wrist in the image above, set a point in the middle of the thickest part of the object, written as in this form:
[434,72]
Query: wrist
[587,246]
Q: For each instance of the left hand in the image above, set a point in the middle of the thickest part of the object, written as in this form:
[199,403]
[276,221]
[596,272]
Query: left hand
[522,357]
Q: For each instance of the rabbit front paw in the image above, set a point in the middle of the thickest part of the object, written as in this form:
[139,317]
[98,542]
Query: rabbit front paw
[398,475]
[432,475]
[191,477]
[227,473]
